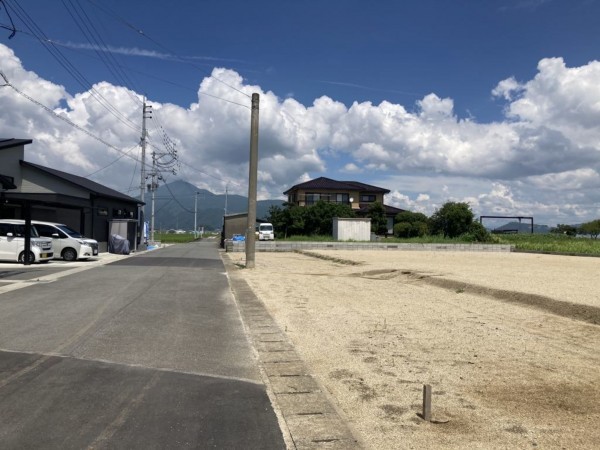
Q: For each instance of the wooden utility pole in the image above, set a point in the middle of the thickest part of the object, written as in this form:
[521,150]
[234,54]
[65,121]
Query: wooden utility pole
[252,182]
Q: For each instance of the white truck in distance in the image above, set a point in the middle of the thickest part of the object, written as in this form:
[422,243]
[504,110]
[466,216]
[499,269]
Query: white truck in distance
[265,232]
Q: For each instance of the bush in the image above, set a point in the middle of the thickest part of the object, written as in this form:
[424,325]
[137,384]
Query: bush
[591,228]
[378,218]
[409,224]
[568,230]
[478,233]
[293,220]
[452,219]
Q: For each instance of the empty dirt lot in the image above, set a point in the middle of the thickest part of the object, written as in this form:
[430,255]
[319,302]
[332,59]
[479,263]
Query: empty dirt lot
[509,342]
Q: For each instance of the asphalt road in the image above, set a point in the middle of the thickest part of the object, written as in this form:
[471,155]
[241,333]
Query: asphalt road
[147,352]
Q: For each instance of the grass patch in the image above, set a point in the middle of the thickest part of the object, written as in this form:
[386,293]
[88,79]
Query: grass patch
[172,238]
[551,243]
[554,243]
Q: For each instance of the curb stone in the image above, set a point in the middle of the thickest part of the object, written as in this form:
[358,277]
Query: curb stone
[308,417]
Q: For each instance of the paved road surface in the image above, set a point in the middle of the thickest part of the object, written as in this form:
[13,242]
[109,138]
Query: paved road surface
[148,352]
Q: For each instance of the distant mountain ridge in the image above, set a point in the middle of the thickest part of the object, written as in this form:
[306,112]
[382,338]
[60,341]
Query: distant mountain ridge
[523,227]
[174,207]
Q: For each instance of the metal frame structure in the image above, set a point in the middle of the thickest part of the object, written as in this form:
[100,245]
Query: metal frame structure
[508,217]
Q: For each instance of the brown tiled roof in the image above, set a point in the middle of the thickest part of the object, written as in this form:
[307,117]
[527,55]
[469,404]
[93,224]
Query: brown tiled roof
[327,184]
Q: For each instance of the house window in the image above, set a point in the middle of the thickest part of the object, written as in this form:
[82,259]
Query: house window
[342,198]
[103,211]
[367,198]
[311,199]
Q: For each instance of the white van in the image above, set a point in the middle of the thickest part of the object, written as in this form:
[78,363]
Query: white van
[265,232]
[12,243]
[68,244]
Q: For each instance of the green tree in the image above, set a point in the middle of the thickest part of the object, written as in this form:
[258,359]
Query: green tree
[288,220]
[378,218]
[592,228]
[568,230]
[478,233]
[452,219]
[293,220]
[319,217]
[410,224]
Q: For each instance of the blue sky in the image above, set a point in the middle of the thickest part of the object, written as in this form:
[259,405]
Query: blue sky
[480,101]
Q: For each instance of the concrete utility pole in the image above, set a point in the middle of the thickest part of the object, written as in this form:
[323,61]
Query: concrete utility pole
[252,181]
[196,215]
[146,114]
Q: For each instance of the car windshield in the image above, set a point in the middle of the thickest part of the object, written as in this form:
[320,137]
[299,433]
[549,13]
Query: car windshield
[266,228]
[69,231]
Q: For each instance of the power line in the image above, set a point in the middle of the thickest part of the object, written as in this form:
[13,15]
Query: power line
[123,67]
[142,33]
[127,153]
[12,28]
[89,31]
[177,201]
[185,164]
[39,34]
[63,118]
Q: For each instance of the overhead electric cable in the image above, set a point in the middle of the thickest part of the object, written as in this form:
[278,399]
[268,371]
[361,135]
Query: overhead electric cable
[12,28]
[125,68]
[68,66]
[63,118]
[185,164]
[142,33]
[127,152]
[177,201]
[89,31]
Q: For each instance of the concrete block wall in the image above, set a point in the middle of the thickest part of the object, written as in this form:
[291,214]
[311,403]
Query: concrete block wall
[288,246]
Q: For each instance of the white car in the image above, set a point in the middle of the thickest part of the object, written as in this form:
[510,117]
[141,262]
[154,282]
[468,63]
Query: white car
[265,232]
[12,243]
[68,244]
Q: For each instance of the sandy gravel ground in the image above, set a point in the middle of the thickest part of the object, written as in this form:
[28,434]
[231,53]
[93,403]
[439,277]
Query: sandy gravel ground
[509,342]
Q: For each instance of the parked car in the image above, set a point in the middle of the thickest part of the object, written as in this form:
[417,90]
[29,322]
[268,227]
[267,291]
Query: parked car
[12,243]
[265,232]
[68,244]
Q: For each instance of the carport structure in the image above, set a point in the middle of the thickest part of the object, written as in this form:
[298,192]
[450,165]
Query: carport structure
[55,196]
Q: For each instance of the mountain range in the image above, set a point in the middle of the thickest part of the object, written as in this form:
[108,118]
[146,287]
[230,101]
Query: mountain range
[523,227]
[174,207]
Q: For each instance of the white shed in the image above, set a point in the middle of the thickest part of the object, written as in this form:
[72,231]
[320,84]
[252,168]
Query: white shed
[357,229]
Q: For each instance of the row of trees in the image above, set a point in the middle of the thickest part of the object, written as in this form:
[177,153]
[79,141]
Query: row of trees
[293,220]
[453,219]
[591,229]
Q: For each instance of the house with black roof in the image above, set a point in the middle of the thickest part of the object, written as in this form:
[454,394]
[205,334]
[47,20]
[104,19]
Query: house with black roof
[56,196]
[359,196]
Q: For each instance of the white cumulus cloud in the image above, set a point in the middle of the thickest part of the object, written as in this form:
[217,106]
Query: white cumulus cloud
[543,159]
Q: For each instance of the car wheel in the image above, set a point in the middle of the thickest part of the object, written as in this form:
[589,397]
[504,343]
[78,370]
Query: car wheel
[22,257]
[69,254]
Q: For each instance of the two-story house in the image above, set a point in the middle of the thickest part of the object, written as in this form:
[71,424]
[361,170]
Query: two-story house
[358,195]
